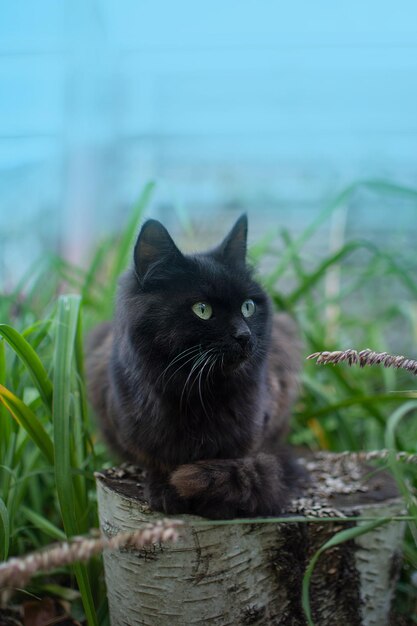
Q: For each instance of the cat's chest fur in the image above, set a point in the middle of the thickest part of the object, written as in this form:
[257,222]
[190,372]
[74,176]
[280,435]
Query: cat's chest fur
[175,428]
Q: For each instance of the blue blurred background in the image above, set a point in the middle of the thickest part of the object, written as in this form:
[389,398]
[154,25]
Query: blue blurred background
[266,107]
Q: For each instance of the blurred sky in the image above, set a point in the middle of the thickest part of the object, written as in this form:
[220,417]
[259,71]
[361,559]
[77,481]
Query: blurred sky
[269,107]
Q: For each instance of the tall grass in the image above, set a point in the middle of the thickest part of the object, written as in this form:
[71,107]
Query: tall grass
[48,446]
[47,450]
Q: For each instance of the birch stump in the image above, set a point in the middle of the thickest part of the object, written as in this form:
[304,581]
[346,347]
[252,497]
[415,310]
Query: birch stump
[251,573]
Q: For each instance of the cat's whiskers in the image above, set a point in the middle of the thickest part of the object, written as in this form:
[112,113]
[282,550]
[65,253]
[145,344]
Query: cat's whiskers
[193,368]
[208,360]
[177,357]
[210,371]
[202,359]
[199,376]
[213,363]
[180,355]
[190,359]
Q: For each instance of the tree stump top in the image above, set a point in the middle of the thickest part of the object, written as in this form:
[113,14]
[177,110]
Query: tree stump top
[338,485]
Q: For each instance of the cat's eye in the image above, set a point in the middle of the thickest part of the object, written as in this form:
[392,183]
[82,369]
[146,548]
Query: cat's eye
[248,308]
[203,310]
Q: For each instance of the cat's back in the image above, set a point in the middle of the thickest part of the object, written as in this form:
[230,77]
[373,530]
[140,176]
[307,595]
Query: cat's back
[284,364]
[98,350]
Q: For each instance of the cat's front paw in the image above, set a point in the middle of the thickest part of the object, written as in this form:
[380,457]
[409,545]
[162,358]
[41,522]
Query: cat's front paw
[164,498]
[226,488]
[205,486]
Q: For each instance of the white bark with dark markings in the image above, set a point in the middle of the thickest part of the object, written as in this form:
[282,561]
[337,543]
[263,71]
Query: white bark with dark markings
[251,573]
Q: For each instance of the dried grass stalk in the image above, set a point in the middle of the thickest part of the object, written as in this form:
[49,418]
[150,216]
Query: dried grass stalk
[365,357]
[16,572]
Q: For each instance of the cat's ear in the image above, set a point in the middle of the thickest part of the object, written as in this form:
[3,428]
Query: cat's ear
[154,246]
[233,247]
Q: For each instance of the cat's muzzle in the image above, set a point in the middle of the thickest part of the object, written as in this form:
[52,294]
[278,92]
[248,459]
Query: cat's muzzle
[234,356]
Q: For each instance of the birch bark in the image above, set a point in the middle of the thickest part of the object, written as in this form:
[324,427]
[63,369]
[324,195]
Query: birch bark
[251,573]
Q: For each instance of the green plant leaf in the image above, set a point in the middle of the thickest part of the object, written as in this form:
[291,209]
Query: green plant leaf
[5,425]
[37,331]
[363,400]
[67,322]
[4,531]
[27,354]
[95,266]
[43,524]
[130,234]
[28,420]
[396,467]
[59,591]
[310,280]
[378,186]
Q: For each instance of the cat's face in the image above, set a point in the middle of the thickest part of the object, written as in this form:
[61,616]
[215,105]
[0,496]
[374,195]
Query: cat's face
[200,311]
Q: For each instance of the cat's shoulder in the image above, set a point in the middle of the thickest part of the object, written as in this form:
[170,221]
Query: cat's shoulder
[286,345]
[284,325]
[100,339]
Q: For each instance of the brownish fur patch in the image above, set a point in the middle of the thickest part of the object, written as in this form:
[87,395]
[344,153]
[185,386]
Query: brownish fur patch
[189,480]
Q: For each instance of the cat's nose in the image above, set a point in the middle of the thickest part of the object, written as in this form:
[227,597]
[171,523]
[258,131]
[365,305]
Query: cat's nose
[242,335]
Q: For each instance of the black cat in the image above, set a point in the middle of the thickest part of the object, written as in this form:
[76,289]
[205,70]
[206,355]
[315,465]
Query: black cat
[195,377]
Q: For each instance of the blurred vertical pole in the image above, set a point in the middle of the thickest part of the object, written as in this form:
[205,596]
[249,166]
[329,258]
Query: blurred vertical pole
[89,129]
[333,275]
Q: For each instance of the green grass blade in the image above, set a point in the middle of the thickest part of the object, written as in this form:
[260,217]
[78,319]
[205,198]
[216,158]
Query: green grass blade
[68,311]
[383,186]
[28,420]
[300,274]
[126,244]
[38,332]
[400,272]
[57,591]
[337,539]
[27,354]
[396,467]
[2,363]
[95,266]
[4,531]
[310,280]
[5,425]
[260,248]
[298,243]
[393,422]
[79,359]
[68,314]
[43,524]
[362,400]
[372,185]
[9,459]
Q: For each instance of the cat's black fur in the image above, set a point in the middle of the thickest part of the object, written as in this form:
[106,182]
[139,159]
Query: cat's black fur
[201,404]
